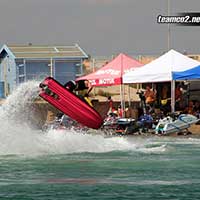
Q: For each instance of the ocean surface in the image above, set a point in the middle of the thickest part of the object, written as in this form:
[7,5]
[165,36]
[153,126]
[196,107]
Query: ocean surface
[65,164]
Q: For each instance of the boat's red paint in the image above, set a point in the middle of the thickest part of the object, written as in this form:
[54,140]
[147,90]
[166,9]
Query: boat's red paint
[71,105]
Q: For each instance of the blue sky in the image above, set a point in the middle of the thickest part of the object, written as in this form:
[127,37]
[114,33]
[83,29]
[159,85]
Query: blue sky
[100,27]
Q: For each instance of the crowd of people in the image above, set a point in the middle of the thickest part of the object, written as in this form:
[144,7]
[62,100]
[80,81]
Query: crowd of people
[182,103]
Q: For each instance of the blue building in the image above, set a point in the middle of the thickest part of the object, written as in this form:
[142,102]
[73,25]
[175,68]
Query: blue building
[22,63]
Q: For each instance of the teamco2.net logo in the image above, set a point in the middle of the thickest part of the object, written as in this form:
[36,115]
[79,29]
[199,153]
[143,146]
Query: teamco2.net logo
[184,19]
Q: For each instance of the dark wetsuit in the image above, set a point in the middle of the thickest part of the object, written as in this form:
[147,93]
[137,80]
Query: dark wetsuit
[78,85]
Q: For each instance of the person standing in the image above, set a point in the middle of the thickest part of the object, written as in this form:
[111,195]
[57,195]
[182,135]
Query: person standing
[150,96]
[110,104]
[178,97]
[120,111]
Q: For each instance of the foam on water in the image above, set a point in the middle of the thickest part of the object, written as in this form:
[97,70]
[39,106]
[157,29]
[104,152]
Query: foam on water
[18,137]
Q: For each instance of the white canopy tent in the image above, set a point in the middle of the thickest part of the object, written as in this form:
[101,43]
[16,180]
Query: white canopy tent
[160,70]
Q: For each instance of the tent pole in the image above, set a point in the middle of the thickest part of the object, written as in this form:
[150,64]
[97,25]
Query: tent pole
[172,96]
[129,96]
[123,108]
[122,98]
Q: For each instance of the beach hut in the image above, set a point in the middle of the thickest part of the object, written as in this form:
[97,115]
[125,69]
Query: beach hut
[21,63]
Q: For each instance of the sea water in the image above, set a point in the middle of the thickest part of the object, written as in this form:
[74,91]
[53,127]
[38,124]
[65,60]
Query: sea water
[64,164]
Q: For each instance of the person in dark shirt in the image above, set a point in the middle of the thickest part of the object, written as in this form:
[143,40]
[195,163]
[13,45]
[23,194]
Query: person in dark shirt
[78,85]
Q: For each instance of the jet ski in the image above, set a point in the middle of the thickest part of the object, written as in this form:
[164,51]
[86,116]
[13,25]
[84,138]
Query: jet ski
[177,124]
[118,125]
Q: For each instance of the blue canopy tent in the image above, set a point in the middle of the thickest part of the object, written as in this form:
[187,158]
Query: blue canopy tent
[189,74]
